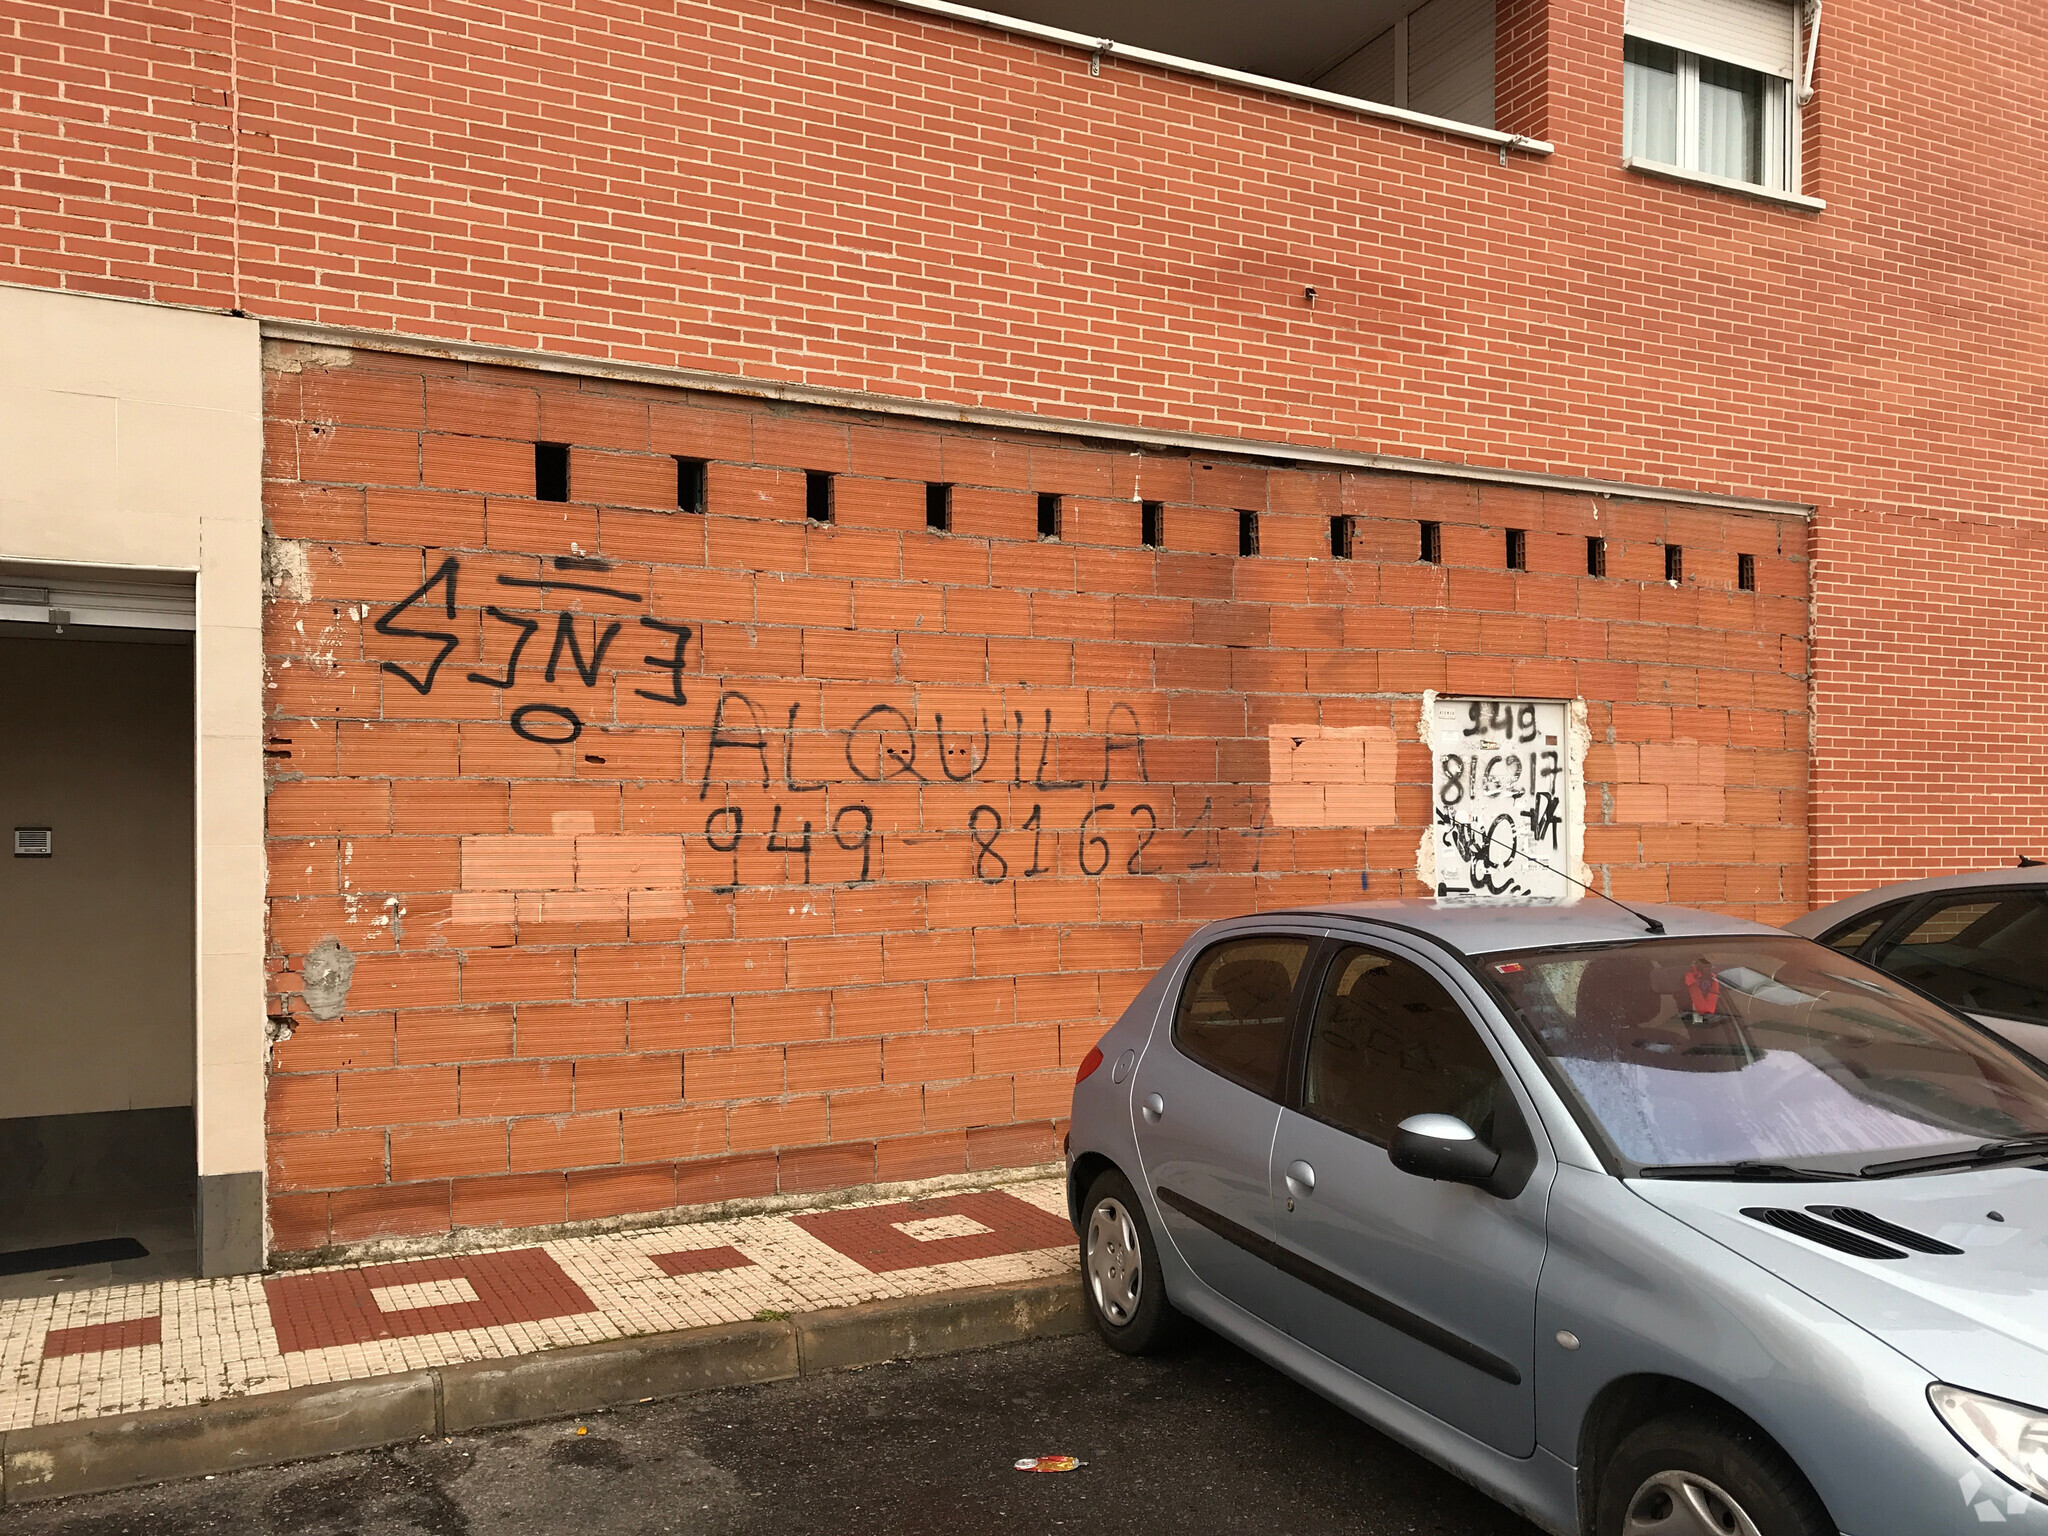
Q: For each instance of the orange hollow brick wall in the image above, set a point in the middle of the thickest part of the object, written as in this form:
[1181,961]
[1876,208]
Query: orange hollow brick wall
[866,831]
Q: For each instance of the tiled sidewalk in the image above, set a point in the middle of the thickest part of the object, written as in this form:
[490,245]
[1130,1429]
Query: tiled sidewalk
[120,1349]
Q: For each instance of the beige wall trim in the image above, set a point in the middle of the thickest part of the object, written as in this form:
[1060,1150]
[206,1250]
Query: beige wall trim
[133,436]
[1010,421]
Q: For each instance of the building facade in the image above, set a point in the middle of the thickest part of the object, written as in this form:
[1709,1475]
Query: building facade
[799,549]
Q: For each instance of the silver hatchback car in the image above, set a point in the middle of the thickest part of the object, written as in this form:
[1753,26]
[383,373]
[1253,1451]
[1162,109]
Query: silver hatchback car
[1562,1198]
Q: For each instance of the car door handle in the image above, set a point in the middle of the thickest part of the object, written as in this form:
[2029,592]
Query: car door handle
[1301,1179]
[1153,1107]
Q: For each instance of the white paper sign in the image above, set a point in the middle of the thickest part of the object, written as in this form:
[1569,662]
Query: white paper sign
[1504,799]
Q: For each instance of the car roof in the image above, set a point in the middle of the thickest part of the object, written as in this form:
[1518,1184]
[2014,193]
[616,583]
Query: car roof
[1820,921]
[1481,928]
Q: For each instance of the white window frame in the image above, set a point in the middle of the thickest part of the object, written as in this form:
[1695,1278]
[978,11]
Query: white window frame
[1781,148]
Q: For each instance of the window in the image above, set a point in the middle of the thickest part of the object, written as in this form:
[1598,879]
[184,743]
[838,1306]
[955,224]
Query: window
[1236,1009]
[1390,1042]
[1518,550]
[1152,524]
[1983,952]
[1862,930]
[1247,533]
[1434,56]
[938,508]
[550,471]
[689,485]
[1745,572]
[1707,89]
[1674,563]
[1596,556]
[1432,552]
[1340,538]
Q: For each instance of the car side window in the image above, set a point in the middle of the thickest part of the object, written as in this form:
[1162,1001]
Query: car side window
[1862,929]
[1389,1042]
[1237,1008]
[1980,951]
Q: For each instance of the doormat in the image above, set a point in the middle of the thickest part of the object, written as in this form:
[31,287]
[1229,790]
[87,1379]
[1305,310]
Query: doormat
[105,1250]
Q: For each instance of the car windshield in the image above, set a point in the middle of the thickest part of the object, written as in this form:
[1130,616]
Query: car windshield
[1720,1050]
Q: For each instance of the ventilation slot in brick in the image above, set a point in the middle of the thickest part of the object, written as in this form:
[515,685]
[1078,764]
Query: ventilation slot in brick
[1048,515]
[1674,563]
[689,485]
[1518,550]
[1596,556]
[1152,524]
[938,508]
[1247,533]
[817,496]
[1340,538]
[1432,551]
[550,471]
[1745,572]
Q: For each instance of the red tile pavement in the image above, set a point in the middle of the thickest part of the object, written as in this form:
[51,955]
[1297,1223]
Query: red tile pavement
[317,1311]
[700,1261]
[96,1338]
[867,1235]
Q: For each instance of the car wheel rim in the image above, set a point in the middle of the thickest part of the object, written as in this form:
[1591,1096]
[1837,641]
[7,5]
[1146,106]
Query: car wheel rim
[1116,1272]
[1685,1504]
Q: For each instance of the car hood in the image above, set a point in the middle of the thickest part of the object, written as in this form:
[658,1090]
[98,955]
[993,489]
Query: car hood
[1978,1319]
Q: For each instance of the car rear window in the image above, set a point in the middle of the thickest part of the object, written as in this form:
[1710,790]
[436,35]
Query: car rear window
[1980,951]
[1237,1008]
[1861,930]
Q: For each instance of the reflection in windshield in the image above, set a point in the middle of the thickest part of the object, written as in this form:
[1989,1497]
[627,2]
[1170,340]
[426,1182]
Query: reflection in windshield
[1724,1049]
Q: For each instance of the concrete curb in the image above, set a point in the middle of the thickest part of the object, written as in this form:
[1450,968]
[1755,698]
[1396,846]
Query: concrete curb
[61,1461]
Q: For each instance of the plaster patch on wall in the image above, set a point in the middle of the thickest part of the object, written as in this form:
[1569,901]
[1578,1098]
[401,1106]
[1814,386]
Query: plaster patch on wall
[298,356]
[286,574]
[1331,776]
[325,977]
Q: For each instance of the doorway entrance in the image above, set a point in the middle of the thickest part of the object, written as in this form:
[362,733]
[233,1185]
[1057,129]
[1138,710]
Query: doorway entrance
[98,1164]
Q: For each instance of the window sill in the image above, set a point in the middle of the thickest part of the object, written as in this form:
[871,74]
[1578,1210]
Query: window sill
[1721,183]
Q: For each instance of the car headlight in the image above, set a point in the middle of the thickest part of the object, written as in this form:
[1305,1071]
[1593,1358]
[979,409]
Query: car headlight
[2010,1436]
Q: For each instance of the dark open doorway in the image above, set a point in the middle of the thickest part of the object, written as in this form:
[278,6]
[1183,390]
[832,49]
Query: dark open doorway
[97,1153]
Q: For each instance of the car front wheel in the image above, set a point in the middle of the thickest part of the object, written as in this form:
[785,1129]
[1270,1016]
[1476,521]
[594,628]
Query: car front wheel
[1120,1271]
[1698,1475]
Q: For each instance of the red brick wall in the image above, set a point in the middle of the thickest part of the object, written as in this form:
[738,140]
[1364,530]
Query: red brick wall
[855,195]
[526,1040]
[1928,637]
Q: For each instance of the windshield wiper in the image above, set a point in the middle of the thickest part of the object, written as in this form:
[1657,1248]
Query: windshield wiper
[1746,1170]
[1985,1156]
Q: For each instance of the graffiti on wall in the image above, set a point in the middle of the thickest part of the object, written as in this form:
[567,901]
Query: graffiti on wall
[1058,801]
[1505,798]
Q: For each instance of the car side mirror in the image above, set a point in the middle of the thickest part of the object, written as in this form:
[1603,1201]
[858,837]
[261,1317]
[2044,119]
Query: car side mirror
[1442,1147]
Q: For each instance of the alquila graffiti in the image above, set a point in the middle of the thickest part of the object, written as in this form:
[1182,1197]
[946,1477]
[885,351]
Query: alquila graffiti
[884,745]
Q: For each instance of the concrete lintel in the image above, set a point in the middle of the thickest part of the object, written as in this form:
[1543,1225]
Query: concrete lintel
[1126,434]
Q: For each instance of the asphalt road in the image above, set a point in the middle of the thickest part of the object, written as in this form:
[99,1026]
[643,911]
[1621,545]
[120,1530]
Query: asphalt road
[1204,1441]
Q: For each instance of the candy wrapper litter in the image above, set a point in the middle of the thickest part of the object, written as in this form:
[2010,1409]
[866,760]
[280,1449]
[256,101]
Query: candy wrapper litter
[1049,1464]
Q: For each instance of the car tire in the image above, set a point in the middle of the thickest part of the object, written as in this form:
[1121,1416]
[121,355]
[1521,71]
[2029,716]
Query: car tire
[1697,1474]
[1120,1279]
